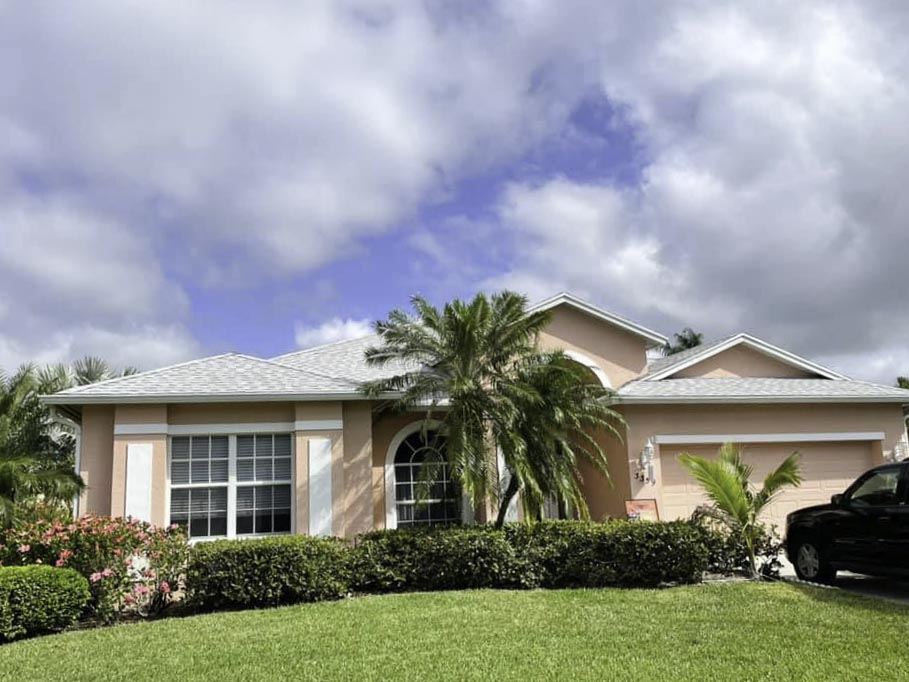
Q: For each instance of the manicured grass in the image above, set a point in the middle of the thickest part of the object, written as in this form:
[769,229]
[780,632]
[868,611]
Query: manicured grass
[711,632]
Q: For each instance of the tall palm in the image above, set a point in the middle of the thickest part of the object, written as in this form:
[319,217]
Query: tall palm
[560,413]
[687,338]
[30,456]
[727,482]
[462,358]
[480,362]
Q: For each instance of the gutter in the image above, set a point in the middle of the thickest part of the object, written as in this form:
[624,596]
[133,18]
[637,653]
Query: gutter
[756,400]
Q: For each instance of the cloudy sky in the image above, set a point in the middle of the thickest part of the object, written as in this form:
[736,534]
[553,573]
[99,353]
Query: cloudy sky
[179,179]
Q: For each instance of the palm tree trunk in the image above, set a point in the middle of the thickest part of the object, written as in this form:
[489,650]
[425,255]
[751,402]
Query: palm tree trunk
[510,491]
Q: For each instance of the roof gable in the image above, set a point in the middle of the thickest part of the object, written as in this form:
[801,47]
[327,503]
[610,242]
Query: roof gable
[653,338]
[672,365]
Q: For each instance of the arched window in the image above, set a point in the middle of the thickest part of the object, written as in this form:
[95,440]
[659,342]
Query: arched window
[424,492]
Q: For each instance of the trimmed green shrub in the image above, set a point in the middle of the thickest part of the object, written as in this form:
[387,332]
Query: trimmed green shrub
[267,572]
[612,554]
[39,599]
[454,558]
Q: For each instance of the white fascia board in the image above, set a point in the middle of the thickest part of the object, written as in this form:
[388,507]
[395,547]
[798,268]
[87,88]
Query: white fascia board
[755,400]
[713,439]
[56,399]
[655,337]
[756,344]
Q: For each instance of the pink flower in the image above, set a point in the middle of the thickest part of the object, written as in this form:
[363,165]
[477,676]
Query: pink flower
[95,577]
[59,562]
[164,587]
[129,599]
[24,548]
[106,573]
[140,590]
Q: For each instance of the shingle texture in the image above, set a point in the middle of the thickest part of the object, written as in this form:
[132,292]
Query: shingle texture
[220,375]
[821,389]
[344,359]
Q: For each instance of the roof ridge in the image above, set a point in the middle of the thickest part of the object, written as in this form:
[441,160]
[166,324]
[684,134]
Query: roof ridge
[75,390]
[303,351]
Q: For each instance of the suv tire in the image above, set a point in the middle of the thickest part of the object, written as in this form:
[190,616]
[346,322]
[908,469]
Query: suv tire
[811,562]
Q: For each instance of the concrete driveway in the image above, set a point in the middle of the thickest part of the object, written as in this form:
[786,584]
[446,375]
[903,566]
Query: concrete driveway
[881,588]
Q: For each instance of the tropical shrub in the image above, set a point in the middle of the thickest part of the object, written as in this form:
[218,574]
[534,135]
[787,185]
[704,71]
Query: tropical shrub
[130,564]
[726,550]
[613,554]
[267,572]
[726,480]
[39,599]
[455,558]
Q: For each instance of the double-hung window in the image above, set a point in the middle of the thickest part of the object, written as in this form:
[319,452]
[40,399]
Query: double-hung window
[230,486]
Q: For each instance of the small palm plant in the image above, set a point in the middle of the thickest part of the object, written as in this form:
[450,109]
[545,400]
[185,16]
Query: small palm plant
[727,482]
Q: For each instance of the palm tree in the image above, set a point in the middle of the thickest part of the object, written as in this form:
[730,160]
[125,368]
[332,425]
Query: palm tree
[32,462]
[92,369]
[479,361]
[560,412]
[903,382]
[687,338]
[727,482]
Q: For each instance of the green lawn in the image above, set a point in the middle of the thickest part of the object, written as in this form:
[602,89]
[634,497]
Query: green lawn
[711,632]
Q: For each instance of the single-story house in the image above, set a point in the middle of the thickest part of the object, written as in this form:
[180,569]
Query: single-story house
[234,445]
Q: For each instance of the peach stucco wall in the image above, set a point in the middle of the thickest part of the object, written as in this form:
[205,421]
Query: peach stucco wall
[234,413]
[740,361]
[96,458]
[621,355]
[647,421]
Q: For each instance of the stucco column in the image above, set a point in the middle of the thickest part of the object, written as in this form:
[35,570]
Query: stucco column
[127,419]
[358,479]
[315,423]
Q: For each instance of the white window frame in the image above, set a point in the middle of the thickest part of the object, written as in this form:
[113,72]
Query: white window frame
[232,483]
[391,507]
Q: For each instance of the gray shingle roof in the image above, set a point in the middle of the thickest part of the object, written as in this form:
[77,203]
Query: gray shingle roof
[344,359]
[759,390]
[217,377]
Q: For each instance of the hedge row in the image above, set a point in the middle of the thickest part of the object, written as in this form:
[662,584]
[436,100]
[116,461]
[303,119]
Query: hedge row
[39,599]
[247,573]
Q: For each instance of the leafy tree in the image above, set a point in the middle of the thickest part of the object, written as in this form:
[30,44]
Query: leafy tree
[727,482]
[903,382]
[480,360]
[35,458]
[687,338]
[36,450]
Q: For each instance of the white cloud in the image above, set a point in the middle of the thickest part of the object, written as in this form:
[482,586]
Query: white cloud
[773,199]
[227,143]
[335,329]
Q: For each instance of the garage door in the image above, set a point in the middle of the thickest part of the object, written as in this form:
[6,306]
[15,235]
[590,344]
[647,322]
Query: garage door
[827,469]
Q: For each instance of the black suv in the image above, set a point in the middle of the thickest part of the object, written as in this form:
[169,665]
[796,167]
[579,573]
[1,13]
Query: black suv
[864,530]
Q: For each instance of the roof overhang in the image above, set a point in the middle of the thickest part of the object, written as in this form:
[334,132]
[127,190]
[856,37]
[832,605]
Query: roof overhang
[653,338]
[755,344]
[756,400]
[57,399]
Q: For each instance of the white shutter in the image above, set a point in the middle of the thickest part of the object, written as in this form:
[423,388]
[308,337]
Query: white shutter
[138,480]
[320,486]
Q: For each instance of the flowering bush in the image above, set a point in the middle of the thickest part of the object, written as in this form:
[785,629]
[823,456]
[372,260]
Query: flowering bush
[129,564]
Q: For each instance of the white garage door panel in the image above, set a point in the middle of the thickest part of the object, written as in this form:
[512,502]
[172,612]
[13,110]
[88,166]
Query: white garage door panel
[827,469]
